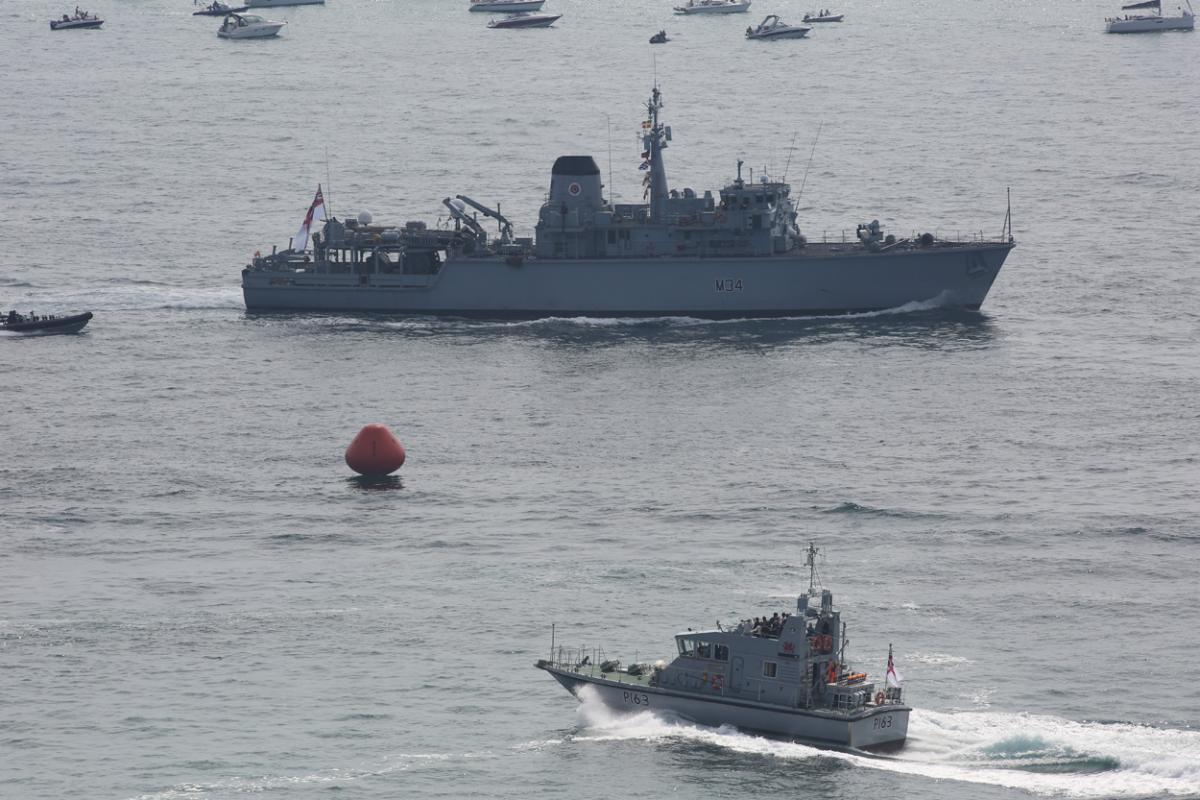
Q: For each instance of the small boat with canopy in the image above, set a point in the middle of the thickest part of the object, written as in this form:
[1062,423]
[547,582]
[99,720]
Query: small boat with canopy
[1152,20]
[772,27]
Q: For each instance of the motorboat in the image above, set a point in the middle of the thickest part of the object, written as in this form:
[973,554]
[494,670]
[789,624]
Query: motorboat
[1146,23]
[507,6]
[785,675]
[772,27]
[823,16]
[659,38]
[47,323]
[80,19]
[277,3]
[525,20]
[248,26]
[218,9]
[713,7]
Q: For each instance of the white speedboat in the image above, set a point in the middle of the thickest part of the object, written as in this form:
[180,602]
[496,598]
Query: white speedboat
[277,3]
[525,20]
[713,7]
[1146,23]
[80,19]
[248,26]
[772,27]
[823,16]
[506,6]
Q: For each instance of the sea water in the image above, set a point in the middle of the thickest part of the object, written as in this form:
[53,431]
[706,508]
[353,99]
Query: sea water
[197,600]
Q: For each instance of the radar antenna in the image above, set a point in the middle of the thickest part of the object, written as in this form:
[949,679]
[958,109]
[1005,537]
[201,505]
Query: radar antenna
[810,561]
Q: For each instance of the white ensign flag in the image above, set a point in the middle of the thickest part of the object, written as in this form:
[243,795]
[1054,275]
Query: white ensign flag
[316,213]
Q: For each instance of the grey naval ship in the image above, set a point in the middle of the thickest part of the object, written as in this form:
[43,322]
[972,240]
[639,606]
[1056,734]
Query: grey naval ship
[737,254]
[784,675]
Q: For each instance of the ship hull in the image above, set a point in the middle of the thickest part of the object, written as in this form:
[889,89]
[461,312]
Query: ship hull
[822,280]
[1150,24]
[875,727]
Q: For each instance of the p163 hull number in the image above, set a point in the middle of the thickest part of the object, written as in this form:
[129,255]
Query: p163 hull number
[635,698]
[883,722]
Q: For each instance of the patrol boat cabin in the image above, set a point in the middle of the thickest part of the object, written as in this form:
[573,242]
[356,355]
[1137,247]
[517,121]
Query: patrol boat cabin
[786,675]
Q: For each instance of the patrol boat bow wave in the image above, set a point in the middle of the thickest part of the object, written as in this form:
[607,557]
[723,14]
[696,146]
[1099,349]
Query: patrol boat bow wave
[786,676]
[738,254]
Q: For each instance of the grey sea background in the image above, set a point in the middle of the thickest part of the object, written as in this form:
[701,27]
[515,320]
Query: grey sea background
[198,601]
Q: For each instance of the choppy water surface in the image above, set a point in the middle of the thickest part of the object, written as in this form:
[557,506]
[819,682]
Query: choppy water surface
[199,602]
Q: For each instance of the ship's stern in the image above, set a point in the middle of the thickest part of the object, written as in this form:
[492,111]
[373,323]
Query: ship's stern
[886,728]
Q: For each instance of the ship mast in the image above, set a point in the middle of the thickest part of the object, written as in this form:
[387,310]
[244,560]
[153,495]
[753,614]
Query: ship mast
[654,140]
[810,561]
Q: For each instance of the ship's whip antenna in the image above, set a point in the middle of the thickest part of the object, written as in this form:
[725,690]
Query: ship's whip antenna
[788,163]
[328,185]
[1008,216]
[811,153]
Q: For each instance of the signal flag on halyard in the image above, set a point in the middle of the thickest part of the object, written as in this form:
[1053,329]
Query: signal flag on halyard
[316,213]
[894,678]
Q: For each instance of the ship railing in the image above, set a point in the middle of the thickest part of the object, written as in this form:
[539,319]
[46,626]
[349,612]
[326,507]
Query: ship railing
[593,659]
[576,659]
[973,237]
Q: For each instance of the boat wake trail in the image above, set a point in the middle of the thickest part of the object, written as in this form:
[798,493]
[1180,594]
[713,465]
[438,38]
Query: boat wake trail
[134,298]
[1043,755]
[914,307]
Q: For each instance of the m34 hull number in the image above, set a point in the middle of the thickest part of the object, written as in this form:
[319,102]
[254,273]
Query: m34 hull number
[729,284]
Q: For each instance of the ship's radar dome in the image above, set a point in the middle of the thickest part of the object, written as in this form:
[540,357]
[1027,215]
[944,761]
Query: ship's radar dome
[364,217]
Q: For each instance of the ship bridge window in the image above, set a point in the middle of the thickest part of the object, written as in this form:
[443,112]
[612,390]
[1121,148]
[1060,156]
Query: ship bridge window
[769,669]
[687,648]
[704,650]
[720,652]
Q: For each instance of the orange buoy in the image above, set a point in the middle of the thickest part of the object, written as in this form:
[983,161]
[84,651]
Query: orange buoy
[375,451]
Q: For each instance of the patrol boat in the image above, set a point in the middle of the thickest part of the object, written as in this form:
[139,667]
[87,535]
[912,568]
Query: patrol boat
[785,676]
[735,254]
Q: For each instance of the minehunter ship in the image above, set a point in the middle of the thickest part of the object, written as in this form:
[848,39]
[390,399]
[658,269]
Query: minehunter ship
[737,254]
[785,676]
